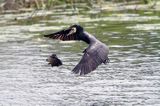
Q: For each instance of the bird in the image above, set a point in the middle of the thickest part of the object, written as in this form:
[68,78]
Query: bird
[54,60]
[94,55]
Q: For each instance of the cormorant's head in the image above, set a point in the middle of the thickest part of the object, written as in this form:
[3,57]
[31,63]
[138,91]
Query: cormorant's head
[50,58]
[53,55]
[76,28]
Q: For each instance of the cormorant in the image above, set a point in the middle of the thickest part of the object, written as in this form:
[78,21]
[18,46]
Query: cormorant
[94,55]
[54,61]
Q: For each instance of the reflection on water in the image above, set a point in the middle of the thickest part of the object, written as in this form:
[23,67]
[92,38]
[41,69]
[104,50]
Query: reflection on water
[131,78]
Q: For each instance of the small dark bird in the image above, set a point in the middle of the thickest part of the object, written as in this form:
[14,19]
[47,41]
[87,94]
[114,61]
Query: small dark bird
[54,61]
[94,55]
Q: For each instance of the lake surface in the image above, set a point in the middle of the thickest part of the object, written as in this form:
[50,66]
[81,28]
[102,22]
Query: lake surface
[132,78]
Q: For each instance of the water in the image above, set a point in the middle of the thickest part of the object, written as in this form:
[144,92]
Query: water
[131,78]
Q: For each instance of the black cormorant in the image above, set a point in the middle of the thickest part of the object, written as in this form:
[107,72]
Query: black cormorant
[94,55]
[54,61]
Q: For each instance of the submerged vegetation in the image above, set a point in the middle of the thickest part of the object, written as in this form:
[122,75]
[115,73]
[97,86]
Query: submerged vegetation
[50,4]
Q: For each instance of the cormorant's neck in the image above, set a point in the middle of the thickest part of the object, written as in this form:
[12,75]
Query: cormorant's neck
[84,37]
[88,38]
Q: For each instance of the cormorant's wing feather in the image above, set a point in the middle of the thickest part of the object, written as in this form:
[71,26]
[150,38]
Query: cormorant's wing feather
[89,62]
[68,34]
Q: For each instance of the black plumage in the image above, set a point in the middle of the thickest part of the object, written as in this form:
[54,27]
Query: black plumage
[94,55]
[54,61]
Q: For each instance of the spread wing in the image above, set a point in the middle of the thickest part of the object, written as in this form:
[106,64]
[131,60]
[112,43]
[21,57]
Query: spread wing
[67,34]
[90,61]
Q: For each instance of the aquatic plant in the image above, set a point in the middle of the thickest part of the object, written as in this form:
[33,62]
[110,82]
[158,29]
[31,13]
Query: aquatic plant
[49,4]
